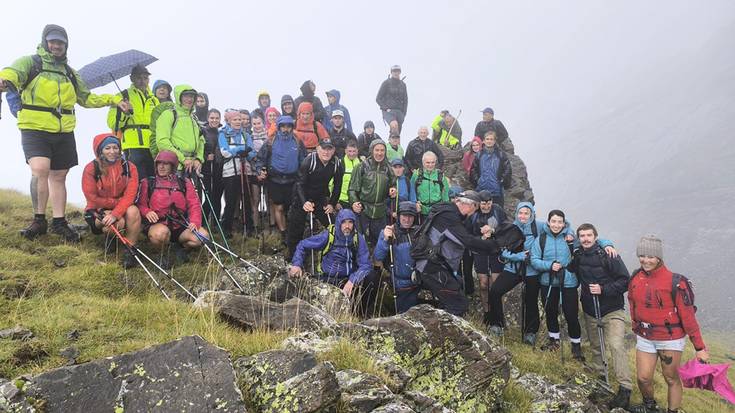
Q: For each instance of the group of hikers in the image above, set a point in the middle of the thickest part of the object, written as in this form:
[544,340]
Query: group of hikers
[385,212]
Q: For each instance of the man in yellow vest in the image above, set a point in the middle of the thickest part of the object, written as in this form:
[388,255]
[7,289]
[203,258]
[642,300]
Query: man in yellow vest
[133,127]
[49,89]
[447,131]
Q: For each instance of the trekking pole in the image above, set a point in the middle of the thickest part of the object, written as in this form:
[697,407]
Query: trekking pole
[393,274]
[522,272]
[262,210]
[561,310]
[601,335]
[206,242]
[155,264]
[242,196]
[136,254]
[216,217]
[311,234]
[456,120]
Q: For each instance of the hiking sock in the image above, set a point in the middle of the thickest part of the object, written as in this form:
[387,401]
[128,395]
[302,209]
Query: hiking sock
[39,217]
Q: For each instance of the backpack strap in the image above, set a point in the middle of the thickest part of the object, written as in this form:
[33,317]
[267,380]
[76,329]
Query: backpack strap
[37,68]
[534,229]
[542,243]
[118,114]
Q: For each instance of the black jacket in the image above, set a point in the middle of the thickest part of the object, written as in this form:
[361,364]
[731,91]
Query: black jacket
[308,96]
[363,143]
[211,143]
[393,95]
[593,266]
[313,181]
[340,140]
[495,125]
[448,230]
[479,219]
[416,149]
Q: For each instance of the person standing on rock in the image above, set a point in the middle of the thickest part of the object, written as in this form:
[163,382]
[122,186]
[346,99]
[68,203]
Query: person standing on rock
[446,131]
[418,147]
[333,97]
[662,312]
[344,261]
[366,138]
[447,232]
[312,197]
[49,89]
[308,88]
[491,169]
[398,238]
[339,134]
[489,123]
[308,130]
[393,100]
[604,282]
[371,185]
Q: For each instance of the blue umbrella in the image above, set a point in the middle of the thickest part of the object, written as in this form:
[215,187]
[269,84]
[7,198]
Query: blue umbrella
[110,68]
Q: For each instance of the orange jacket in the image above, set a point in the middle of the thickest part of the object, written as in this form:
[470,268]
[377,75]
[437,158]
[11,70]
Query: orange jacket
[305,130]
[112,190]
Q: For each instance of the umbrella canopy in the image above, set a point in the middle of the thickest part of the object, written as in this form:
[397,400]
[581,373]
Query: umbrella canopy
[707,376]
[110,68]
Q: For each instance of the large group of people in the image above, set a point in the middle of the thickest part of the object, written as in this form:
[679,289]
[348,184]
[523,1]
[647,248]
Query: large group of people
[167,162]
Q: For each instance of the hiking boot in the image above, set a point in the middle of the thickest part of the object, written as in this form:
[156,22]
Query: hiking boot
[128,260]
[495,331]
[577,352]
[486,318]
[621,400]
[530,339]
[36,228]
[65,231]
[552,345]
[648,406]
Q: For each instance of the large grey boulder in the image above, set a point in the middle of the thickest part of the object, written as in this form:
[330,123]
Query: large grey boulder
[581,394]
[362,392]
[188,374]
[252,313]
[288,381]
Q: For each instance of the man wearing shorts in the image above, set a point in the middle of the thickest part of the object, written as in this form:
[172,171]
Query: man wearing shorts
[393,100]
[278,163]
[49,89]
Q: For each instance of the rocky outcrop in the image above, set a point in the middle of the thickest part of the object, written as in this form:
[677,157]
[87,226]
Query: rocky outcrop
[188,374]
[252,313]
[581,394]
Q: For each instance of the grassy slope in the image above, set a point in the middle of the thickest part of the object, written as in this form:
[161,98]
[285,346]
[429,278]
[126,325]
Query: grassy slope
[53,289]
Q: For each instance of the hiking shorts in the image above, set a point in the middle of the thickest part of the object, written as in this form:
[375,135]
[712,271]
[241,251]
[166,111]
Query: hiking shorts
[653,346]
[60,148]
[487,264]
[393,115]
[281,194]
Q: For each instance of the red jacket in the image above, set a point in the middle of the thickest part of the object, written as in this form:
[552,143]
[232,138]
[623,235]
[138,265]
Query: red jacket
[653,313]
[113,190]
[304,130]
[167,193]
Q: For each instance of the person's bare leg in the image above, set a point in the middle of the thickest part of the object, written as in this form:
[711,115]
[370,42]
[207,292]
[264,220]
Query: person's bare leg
[57,192]
[670,361]
[40,167]
[280,219]
[484,291]
[133,223]
[190,241]
[645,366]
[159,235]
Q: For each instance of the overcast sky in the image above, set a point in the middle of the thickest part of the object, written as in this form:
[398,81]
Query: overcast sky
[544,67]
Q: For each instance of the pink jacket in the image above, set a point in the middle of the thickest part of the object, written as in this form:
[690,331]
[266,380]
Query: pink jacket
[167,193]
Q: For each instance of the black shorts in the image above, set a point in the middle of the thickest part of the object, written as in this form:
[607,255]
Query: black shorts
[487,264]
[280,194]
[60,148]
[393,115]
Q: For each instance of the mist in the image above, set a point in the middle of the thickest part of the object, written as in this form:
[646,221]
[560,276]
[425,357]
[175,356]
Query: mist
[622,111]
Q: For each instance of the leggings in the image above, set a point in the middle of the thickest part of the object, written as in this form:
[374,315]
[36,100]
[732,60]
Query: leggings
[570,306]
[507,281]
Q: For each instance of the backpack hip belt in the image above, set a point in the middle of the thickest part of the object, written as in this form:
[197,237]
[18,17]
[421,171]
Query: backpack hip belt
[54,111]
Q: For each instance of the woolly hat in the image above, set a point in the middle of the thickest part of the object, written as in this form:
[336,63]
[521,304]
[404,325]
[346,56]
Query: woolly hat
[650,245]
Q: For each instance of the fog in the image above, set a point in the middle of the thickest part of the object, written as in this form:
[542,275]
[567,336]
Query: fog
[622,111]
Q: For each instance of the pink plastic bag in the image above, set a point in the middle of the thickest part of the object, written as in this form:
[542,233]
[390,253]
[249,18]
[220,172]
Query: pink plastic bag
[695,374]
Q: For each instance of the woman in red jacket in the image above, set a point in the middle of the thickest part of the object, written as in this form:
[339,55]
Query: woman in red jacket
[166,201]
[110,184]
[662,316]
[309,131]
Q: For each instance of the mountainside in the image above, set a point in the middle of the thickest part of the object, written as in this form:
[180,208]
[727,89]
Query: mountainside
[660,161]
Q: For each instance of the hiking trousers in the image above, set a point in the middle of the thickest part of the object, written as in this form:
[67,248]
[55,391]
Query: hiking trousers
[364,295]
[370,228]
[570,307]
[613,325]
[214,187]
[447,289]
[298,221]
[506,282]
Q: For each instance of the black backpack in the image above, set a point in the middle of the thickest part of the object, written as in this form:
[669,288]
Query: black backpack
[510,237]
[423,248]
[420,178]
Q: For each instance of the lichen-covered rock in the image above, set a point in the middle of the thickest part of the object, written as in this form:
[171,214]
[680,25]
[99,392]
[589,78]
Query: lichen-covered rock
[188,374]
[309,341]
[581,394]
[423,403]
[395,407]
[16,333]
[362,392]
[442,356]
[288,381]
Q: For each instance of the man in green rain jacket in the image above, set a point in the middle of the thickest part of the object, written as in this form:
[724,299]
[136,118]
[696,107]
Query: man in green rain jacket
[49,90]
[177,130]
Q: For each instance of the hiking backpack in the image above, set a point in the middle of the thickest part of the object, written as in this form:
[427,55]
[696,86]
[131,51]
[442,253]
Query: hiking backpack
[420,178]
[510,237]
[315,158]
[687,294]
[330,243]
[423,248]
[180,180]
[157,111]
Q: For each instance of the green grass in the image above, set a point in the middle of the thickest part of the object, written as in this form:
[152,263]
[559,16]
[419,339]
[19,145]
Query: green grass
[53,288]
